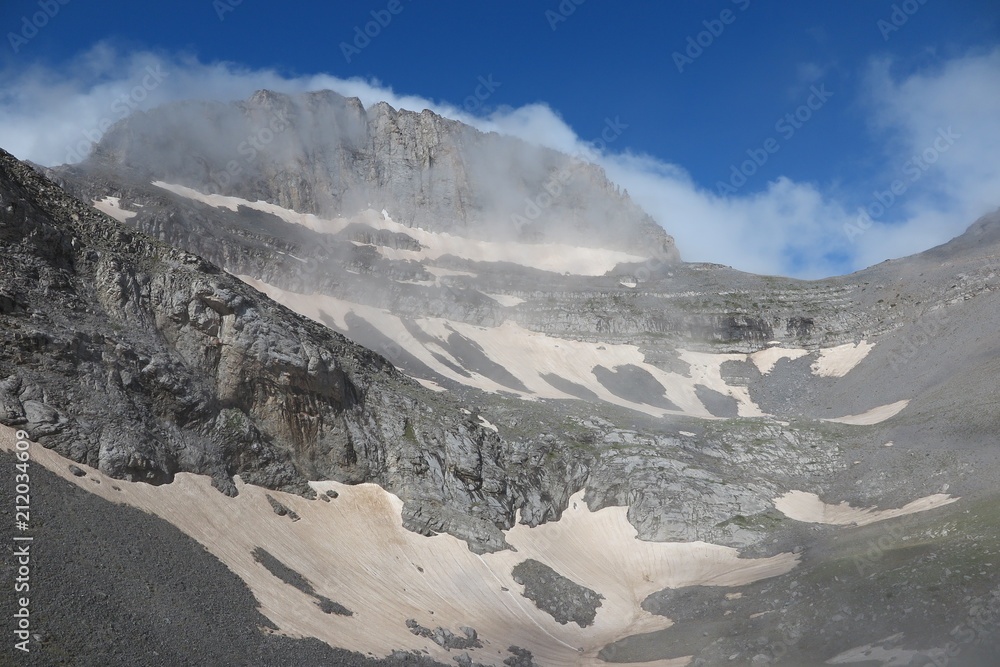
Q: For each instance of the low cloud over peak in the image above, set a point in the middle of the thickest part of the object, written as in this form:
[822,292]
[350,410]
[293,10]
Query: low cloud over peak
[934,135]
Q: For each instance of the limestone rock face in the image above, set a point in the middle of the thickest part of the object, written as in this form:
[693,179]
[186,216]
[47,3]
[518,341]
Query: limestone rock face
[326,154]
[144,361]
[695,395]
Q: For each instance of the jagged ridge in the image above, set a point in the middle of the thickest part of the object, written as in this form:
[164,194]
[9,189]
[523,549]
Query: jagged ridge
[323,153]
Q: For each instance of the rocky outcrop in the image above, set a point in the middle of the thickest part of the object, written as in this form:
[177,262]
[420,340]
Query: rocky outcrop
[564,599]
[696,306]
[715,487]
[143,361]
[445,638]
[326,154]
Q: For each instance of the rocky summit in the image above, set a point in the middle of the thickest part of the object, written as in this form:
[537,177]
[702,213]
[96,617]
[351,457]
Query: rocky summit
[304,382]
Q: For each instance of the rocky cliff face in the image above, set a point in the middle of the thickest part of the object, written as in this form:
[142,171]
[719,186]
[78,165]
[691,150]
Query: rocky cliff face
[326,154]
[694,394]
[144,361]
[701,306]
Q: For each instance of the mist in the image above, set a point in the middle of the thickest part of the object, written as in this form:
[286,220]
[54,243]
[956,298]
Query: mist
[788,227]
[328,155]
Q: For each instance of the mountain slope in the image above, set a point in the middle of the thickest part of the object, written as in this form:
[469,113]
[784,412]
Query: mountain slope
[146,361]
[611,395]
[113,586]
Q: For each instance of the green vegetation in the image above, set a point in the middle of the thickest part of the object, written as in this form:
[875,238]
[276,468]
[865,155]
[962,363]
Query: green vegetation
[409,434]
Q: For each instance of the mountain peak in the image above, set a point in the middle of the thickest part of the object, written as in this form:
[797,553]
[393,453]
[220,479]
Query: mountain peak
[323,153]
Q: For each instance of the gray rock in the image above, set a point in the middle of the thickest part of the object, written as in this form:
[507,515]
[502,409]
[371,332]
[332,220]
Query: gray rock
[329,155]
[561,598]
[187,369]
[280,509]
[445,638]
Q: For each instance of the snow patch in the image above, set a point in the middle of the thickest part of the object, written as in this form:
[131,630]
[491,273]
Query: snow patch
[808,507]
[385,574]
[766,359]
[112,206]
[705,369]
[313,222]
[883,653]
[836,362]
[439,272]
[873,416]
[431,384]
[527,355]
[505,300]
[554,257]
[485,422]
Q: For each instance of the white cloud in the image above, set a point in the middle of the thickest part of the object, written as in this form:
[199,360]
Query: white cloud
[959,100]
[790,228]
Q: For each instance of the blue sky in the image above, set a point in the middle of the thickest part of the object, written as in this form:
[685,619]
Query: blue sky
[752,131]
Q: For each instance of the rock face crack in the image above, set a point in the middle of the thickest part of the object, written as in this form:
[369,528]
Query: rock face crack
[562,598]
